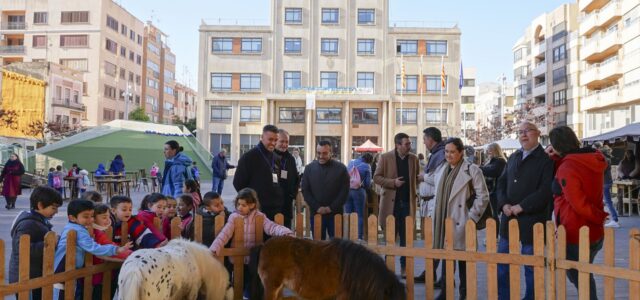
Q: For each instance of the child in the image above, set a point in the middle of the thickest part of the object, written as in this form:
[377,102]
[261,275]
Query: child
[58,185]
[167,215]
[185,210]
[44,202]
[153,173]
[101,223]
[193,188]
[152,206]
[121,211]
[80,214]
[93,196]
[83,180]
[212,206]
[50,176]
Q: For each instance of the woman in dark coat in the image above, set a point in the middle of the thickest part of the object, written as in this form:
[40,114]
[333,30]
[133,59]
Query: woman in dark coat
[491,171]
[117,165]
[10,177]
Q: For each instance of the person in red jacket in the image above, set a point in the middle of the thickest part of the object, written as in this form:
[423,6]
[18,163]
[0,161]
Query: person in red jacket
[578,191]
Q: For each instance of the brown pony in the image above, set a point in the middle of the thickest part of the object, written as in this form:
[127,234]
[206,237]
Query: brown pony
[336,269]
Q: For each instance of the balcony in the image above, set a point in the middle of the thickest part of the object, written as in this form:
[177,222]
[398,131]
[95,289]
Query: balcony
[588,24]
[609,13]
[67,103]
[540,89]
[610,40]
[589,5]
[541,68]
[14,26]
[631,91]
[12,49]
[610,70]
[630,31]
[589,47]
[590,75]
[600,48]
[540,49]
[602,98]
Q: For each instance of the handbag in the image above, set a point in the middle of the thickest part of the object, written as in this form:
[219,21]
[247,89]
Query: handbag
[488,212]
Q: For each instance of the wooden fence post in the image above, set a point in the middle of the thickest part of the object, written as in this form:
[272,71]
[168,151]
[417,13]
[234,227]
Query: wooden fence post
[337,226]
[124,233]
[583,277]
[175,228]
[353,226]
[197,228]
[551,260]
[70,264]
[634,260]
[561,274]
[317,227]
[390,235]
[409,224]
[448,264]
[299,225]
[23,263]
[2,269]
[238,261]
[538,251]
[471,246]
[219,223]
[427,231]
[372,222]
[609,260]
[514,270]
[48,256]
[107,276]
[259,227]
[492,268]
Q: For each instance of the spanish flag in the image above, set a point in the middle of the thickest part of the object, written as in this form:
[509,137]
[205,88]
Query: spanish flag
[443,77]
[403,77]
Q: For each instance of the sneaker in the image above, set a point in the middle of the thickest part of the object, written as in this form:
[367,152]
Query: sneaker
[612,223]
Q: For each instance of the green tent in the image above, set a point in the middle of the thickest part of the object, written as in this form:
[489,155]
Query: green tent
[140,144]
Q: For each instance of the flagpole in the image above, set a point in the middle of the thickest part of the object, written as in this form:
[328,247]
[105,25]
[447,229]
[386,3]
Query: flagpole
[421,81]
[402,85]
[442,85]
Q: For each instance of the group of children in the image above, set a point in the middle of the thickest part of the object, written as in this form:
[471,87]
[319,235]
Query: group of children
[55,178]
[89,213]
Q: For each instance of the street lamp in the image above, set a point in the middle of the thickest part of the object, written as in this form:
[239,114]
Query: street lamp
[127,95]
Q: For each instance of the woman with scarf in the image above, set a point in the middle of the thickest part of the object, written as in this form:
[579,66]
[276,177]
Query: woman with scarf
[10,177]
[457,181]
[175,169]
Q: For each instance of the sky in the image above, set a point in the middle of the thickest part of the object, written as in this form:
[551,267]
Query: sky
[489,28]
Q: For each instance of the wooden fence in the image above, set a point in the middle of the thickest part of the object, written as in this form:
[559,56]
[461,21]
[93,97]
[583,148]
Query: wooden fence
[548,260]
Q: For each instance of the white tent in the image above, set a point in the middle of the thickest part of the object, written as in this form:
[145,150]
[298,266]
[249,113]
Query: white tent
[505,144]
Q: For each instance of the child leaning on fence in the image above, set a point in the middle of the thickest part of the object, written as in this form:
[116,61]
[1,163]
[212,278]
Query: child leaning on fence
[121,212]
[167,215]
[151,207]
[80,214]
[35,223]
[212,206]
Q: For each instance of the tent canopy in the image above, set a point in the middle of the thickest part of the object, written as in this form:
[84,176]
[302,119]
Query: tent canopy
[368,146]
[630,132]
[505,144]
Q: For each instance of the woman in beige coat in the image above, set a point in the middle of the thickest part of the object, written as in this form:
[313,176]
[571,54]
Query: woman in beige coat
[456,181]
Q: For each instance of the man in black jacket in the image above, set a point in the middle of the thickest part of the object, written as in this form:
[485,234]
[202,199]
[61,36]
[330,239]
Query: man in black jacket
[259,169]
[288,176]
[524,194]
[325,186]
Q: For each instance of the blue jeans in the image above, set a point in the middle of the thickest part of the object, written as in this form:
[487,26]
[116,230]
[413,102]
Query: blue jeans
[355,203]
[218,184]
[572,274]
[328,226]
[400,212]
[503,272]
[609,203]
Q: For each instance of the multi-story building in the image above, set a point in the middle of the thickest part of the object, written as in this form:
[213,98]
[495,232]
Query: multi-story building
[99,38]
[159,76]
[494,111]
[610,54]
[545,70]
[326,70]
[186,102]
[468,105]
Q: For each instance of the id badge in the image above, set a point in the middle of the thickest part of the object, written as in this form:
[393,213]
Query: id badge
[283,174]
[275,177]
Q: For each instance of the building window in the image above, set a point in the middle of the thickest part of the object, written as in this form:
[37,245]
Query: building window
[560,75]
[221,81]
[168,90]
[469,82]
[293,15]
[75,17]
[329,115]
[366,46]
[75,64]
[222,45]
[250,113]
[110,92]
[559,31]
[292,114]
[170,58]
[112,23]
[123,51]
[123,29]
[74,41]
[292,45]
[329,46]
[219,142]
[438,48]
[329,80]
[153,49]
[138,59]
[76,97]
[292,80]
[409,115]
[110,69]
[411,82]
[123,73]
[110,45]
[366,16]
[468,99]
[221,113]
[330,15]
[364,116]
[408,47]
[560,98]
[434,83]
[40,17]
[247,142]
[336,145]
[39,41]
[138,79]
[132,55]
[250,82]
[153,67]
[365,80]
[108,114]
[132,35]
[559,53]
[152,83]
[517,55]
[139,39]
[435,116]
[251,45]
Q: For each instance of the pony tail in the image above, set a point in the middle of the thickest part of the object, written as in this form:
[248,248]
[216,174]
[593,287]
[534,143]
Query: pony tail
[128,285]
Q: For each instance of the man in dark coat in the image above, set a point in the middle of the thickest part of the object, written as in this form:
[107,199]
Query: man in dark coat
[220,165]
[259,169]
[524,194]
[288,176]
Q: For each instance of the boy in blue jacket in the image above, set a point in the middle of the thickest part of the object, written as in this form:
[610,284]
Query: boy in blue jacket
[80,213]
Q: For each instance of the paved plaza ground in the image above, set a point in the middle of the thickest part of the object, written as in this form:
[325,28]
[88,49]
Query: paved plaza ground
[621,237]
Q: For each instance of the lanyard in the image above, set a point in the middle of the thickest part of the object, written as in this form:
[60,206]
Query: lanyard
[272,164]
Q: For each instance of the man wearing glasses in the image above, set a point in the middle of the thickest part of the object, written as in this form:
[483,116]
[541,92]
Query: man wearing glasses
[524,194]
[397,173]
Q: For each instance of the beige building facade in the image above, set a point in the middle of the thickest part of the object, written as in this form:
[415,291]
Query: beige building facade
[326,70]
[185,109]
[610,56]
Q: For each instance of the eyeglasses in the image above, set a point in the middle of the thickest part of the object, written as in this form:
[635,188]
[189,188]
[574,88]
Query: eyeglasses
[521,132]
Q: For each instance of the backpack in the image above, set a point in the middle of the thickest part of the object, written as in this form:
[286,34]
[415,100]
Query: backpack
[56,182]
[355,182]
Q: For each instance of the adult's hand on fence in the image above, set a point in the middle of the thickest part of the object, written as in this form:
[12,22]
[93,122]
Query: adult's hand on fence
[516,209]
[398,182]
[323,210]
[506,209]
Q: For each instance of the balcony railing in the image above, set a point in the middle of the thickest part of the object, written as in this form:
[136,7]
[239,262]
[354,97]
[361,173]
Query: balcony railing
[12,49]
[14,26]
[67,103]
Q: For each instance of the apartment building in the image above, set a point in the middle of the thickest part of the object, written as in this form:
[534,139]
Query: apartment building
[327,70]
[185,102]
[610,55]
[468,105]
[159,65]
[494,111]
[99,38]
[546,68]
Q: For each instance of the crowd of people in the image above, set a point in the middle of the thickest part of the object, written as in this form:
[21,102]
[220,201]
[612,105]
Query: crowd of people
[563,181]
